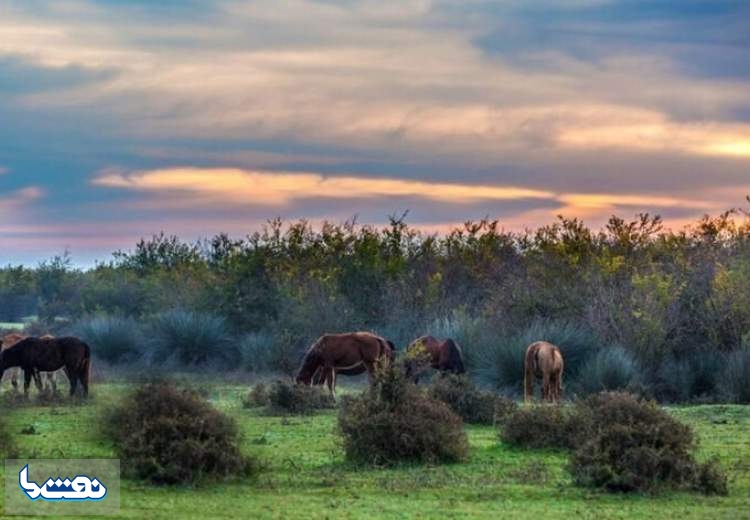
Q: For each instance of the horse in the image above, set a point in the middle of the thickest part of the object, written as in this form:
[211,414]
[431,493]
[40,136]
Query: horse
[50,378]
[543,361]
[350,353]
[445,356]
[34,355]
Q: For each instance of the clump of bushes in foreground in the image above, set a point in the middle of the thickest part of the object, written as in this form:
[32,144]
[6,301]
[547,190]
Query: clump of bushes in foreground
[621,444]
[473,405]
[171,435]
[395,422]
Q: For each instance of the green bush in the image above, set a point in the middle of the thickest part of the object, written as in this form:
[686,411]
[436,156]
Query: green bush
[633,445]
[286,397]
[472,404]
[114,339]
[190,339]
[609,369]
[540,426]
[395,422]
[170,435]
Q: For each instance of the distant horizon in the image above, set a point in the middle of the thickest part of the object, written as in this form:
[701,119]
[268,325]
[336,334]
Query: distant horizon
[125,118]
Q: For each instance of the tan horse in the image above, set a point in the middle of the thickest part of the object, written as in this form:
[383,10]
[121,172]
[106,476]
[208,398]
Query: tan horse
[445,356]
[343,352]
[50,378]
[543,361]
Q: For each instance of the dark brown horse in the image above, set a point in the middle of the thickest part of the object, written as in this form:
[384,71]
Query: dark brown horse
[445,356]
[543,361]
[353,353]
[34,355]
[50,378]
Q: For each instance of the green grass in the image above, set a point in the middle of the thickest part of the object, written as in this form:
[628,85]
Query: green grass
[307,477]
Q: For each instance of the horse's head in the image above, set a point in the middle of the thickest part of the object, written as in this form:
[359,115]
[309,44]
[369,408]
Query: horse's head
[309,367]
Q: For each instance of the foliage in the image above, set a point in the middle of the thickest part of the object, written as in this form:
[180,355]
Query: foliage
[540,426]
[395,422]
[190,338]
[472,404]
[114,339]
[736,377]
[611,368]
[676,301]
[8,448]
[633,445]
[286,397]
[257,396]
[170,435]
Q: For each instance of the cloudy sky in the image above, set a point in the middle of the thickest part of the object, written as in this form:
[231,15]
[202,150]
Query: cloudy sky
[119,119]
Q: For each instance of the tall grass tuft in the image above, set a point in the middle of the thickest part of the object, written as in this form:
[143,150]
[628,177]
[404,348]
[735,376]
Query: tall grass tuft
[191,339]
[612,368]
[736,377]
[114,339]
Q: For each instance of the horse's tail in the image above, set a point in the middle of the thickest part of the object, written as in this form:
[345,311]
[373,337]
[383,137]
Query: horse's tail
[455,358]
[528,372]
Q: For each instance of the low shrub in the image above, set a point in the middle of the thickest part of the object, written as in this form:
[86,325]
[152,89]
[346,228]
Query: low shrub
[633,445]
[395,422]
[540,426]
[170,435]
[257,396]
[114,339]
[609,369]
[191,338]
[472,404]
[736,377]
[286,397]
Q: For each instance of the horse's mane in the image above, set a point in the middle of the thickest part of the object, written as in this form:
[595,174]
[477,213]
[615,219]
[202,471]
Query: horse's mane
[455,356]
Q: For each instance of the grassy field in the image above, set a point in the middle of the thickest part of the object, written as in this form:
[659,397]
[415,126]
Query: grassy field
[306,476]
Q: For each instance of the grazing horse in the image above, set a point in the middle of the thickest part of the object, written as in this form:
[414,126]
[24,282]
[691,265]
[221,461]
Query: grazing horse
[320,375]
[351,353]
[34,355]
[445,356]
[543,361]
[50,378]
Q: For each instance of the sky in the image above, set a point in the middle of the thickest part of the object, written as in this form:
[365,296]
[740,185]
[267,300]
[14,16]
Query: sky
[121,119]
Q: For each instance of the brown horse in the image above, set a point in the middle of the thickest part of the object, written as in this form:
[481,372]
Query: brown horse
[333,354]
[34,355]
[445,356]
[543,361]
[50,378]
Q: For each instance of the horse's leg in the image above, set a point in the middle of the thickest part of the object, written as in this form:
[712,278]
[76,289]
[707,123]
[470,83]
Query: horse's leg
[14,379]
[52,380]
[38,380]
[546,387]
[370,367]
[330,381]
[75,375]
[26,382]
